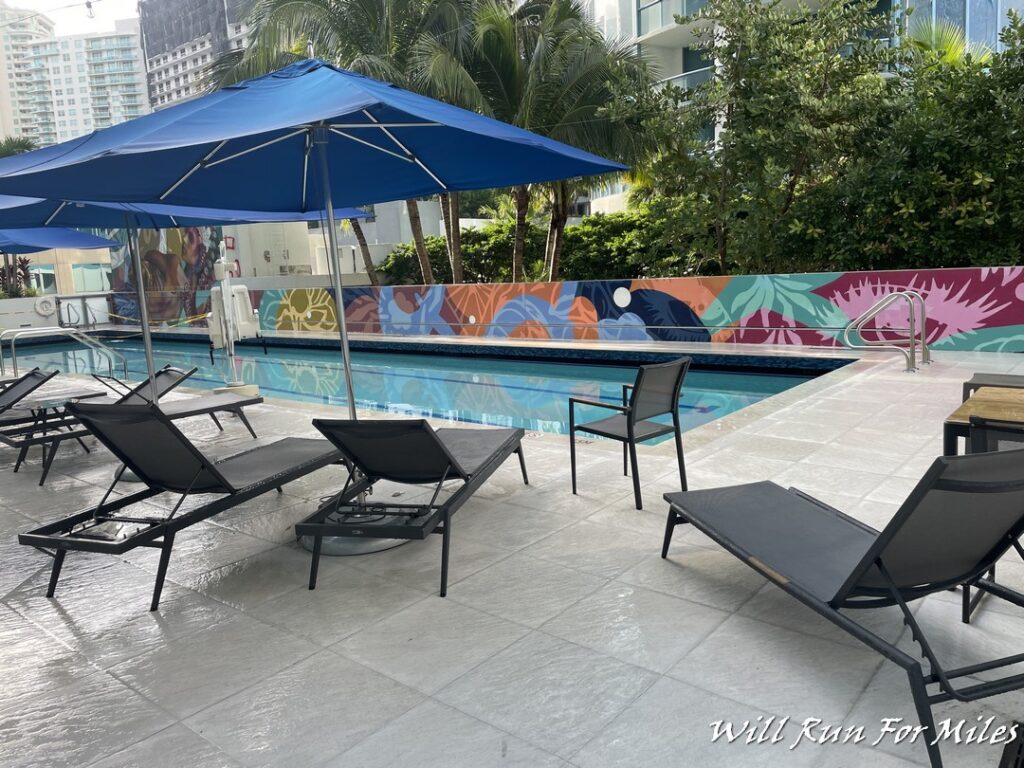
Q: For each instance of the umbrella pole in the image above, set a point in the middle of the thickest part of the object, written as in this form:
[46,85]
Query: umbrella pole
[140,289]
[335,261]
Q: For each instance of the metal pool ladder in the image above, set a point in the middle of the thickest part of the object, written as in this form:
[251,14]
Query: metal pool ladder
[112,355]
[908,345]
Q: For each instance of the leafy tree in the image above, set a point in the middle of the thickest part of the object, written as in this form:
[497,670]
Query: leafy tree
[15,145]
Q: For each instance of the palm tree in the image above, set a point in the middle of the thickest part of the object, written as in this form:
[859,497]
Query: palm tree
[373,37]
[542,66]
[944,41]
[15,145]
[364,248]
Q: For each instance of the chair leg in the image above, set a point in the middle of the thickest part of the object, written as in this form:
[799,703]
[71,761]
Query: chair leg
[21,457]
[48,457]
[625,459]
[679,457]
[215,421]
[161,570]
[315,564]
[522,465]
[445,540]
[572,455]
[245,421]
[58,563]
[924,714]
[636,477]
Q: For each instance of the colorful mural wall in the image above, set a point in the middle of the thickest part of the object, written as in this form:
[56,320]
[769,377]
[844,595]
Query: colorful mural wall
[980,309]
[177,272]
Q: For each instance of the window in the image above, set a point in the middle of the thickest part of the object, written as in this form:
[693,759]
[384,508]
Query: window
[43,278]
[91,277]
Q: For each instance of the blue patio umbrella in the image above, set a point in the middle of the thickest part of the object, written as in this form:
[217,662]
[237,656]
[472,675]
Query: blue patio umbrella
[15,241]
[308,135]
[36,212]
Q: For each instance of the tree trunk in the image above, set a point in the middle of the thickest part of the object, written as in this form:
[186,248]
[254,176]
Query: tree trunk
[417,237]
[557,238]
[456,239]
[521,194]
[556,228]
[446,217]
[364,249]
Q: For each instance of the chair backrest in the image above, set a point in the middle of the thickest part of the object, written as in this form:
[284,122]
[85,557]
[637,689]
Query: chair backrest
[404,451]
[166,379]
[22,387]
[990,435]
[152,447]
[657,388]
[957,522]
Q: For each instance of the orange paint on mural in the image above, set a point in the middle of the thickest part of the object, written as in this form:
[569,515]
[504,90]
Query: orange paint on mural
[697,292]
[478,304]
[583,316]
[531,329]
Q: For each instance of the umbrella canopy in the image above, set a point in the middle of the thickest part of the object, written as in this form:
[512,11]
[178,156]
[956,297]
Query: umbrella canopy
[307,136]
[43,239]
[252,145]
[37,212]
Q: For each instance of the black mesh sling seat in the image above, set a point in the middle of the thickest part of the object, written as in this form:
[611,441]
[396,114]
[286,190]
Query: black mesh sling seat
[963,515]
[655,393]
[166,461]
[409,452]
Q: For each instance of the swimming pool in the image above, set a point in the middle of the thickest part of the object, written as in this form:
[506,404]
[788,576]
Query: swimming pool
[502,392]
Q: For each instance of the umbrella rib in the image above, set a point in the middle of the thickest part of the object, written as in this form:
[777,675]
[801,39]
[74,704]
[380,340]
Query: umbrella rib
[258,147]
[194,168]
[404,148]
[372,145]
[53,215]
[385,125]
[305,167]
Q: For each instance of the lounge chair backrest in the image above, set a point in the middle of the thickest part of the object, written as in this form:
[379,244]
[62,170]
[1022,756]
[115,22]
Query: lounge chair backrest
[987,435]
[963,515]
[152,447]
[405,451]
[657,388]
[21,388]
[167,378]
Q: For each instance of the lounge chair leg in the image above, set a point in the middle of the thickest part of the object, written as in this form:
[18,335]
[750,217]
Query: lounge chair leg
[48,457]
[161,570]
[625,459]
[924,714]
[58,563]
[215,421]
[572,452]
[522,465]
[636,477]
[965,614]
[315,564]
[21,457]
[245,421]
[670,528]
[445,537]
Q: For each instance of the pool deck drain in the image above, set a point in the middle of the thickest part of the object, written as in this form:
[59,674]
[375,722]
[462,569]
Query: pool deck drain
[565,640]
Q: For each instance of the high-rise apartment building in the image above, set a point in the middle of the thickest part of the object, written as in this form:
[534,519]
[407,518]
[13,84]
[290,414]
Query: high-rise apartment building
[19,28]
[81,83]
[181,38]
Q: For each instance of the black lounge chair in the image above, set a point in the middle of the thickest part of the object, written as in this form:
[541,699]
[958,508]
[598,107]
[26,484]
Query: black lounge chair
[16,392]
[962,516]
[165,379]
[654,393]
[159,455]
[409,452]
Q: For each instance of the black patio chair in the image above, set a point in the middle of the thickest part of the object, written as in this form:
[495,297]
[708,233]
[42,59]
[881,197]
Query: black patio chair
[962,516]
[16,391]
[988,435]
[147,442]
[409,452]
[654,393]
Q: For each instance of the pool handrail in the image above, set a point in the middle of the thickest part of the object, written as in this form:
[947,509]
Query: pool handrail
[112,355]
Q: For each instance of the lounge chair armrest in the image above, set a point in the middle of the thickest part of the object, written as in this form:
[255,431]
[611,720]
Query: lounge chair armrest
[573,401]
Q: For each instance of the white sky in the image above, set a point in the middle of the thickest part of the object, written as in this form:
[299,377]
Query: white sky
[75,19]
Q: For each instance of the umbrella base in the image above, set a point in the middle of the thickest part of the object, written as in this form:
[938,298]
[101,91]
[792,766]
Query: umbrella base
[350,546]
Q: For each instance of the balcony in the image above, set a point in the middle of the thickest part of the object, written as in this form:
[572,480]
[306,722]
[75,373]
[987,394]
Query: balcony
[657,19]
[689,80]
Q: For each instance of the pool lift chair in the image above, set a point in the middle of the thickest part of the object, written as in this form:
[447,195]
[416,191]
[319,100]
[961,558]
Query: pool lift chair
[654,393]
[165,461]
[409,452]
[965,513]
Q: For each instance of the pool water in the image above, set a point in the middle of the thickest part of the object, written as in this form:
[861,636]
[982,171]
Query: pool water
[515,393]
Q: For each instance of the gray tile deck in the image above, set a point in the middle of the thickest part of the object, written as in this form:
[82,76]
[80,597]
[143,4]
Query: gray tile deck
[565,640]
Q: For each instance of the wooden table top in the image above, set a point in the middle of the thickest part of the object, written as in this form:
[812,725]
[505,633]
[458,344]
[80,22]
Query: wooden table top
[997,403]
